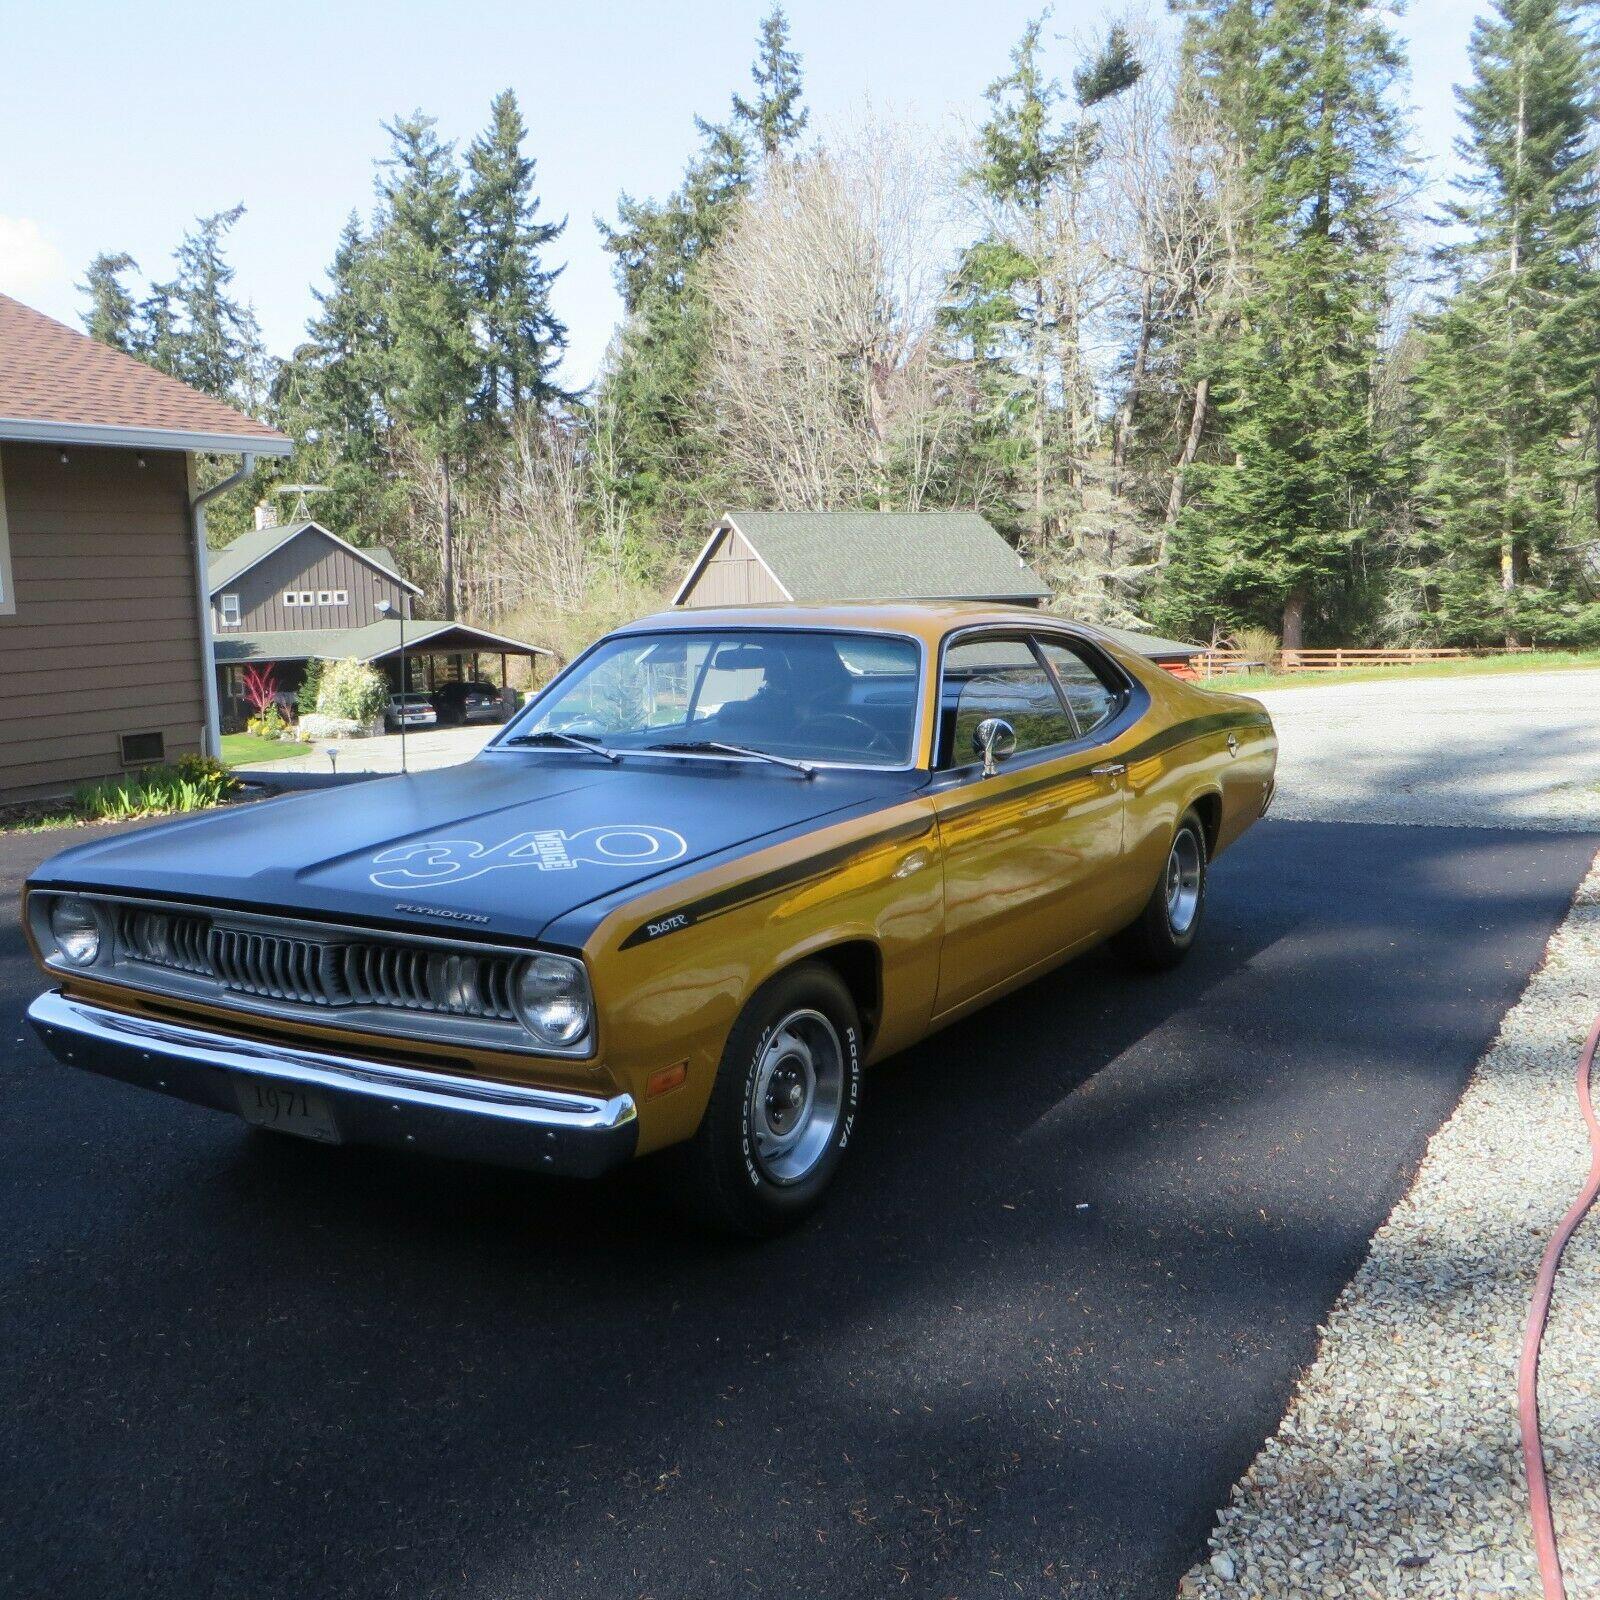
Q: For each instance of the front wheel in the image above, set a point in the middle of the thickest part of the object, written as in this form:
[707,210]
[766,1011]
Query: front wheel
[1166,928]
[782,1109]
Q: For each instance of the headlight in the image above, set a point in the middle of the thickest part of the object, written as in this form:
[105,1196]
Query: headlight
[553,999]
[76,930]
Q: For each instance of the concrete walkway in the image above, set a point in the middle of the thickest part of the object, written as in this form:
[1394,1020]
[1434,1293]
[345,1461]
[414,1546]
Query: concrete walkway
[433,747]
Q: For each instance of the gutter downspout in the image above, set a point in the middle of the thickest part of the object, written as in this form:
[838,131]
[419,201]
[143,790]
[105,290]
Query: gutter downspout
[211,733]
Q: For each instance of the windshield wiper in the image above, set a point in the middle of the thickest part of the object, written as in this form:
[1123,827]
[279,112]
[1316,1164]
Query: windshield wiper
[578,741]
[690,747]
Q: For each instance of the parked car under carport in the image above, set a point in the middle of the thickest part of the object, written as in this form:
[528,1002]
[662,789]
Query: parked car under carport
[460,703]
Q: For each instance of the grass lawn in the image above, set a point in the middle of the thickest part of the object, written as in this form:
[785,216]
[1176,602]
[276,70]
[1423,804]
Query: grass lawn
[1471,666]
[240,748]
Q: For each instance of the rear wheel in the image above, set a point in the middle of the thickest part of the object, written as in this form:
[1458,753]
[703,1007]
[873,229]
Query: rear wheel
[1166,928]
[782,1109]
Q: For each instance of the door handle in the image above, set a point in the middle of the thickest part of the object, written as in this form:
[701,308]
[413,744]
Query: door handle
[1111,769]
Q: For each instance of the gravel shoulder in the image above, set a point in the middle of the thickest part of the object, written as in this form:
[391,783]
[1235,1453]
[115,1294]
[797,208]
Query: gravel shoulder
[1397,1468]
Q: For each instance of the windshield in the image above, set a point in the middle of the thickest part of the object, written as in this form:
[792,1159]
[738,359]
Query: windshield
[807,695]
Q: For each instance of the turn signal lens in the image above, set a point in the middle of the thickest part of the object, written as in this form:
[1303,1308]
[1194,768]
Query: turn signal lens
[553,999]
[76,930]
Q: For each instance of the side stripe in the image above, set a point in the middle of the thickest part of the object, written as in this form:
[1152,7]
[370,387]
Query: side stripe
[770,883]
[816,866]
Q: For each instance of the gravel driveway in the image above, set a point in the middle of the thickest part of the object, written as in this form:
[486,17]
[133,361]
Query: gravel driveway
[1518,751]
[1397,1469]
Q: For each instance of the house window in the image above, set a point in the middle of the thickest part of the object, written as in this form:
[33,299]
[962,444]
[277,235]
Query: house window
[291,597]
[341,597]
[305,597]
[230,611]
[324,597]
[8,604]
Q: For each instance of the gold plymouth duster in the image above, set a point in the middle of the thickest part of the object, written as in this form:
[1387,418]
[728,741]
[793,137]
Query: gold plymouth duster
[723,862]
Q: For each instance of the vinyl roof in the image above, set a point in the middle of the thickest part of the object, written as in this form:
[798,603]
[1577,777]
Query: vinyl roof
[60,386]
[882,555]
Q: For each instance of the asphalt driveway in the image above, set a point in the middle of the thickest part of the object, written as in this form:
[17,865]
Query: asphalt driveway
[1070,1273]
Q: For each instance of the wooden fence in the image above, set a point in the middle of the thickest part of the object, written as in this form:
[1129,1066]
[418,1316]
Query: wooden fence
[1219,663]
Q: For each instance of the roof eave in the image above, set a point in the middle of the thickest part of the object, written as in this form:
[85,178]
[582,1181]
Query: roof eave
[28,430]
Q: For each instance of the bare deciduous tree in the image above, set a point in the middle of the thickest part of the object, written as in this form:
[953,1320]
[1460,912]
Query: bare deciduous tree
[826,383]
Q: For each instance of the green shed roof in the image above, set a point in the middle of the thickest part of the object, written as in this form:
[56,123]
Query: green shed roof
[882,555]
[371,643]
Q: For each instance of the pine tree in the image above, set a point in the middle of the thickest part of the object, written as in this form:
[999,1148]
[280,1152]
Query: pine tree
[433,363]
[219,347]
[509,284]
[1028,180]
[112,317]
[329,396]
[1511,362]
[775,117]
[1304,87]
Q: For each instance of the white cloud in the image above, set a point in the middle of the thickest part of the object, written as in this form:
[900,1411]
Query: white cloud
[32,269]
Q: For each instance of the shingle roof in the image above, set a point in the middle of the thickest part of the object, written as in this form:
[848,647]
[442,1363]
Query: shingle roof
[365,644]
[887,555]
[224,565]
[1151,644]
[59,385]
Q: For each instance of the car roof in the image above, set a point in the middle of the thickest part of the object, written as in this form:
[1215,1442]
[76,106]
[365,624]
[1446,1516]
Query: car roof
[929,620]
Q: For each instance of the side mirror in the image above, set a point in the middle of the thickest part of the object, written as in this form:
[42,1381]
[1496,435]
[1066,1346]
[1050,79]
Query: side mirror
[994,739]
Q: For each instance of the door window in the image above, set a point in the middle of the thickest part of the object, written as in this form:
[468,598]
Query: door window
[1092,700]
[997,678]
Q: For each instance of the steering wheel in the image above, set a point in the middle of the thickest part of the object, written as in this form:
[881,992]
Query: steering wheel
[878,743]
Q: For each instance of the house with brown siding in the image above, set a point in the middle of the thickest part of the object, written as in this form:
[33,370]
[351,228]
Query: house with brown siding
[105,655]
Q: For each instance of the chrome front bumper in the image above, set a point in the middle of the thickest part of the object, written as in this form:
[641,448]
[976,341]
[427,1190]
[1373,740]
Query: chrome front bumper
[373,1103]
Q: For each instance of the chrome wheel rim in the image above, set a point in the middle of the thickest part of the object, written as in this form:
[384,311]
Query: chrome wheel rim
[798,1096]
[1183,881]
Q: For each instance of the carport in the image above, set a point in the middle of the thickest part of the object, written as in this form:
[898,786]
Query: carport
[435,653]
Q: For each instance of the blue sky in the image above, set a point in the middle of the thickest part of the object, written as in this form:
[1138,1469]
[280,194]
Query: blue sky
[124,123]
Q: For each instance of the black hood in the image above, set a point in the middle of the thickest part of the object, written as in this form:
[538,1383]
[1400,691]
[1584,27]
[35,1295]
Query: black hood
[501,845]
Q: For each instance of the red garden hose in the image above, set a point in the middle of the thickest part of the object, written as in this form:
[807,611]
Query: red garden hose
[1544,1528]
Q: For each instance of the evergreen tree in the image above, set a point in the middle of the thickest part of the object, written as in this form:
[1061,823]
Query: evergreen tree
[1304,87]
[775,118]
[218,347]
[1511,361]
[1025,272]
[112,317]
[329,397]
[433,363]
[510,287]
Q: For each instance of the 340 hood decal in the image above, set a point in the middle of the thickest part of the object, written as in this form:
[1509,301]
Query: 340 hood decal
[429,863]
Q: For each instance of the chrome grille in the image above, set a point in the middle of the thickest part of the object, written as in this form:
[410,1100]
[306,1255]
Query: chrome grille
[277,966]
[328,970]
[173,939]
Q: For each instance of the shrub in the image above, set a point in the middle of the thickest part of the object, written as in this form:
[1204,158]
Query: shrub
[267,724]
[1259,643]
[191,783]
[352,689]
[260,685]
[310,685]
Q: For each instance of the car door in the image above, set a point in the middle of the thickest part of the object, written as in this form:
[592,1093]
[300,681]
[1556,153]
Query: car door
[1031,852]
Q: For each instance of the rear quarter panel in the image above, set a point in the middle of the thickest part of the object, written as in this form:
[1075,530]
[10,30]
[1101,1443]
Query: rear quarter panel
[1179,756]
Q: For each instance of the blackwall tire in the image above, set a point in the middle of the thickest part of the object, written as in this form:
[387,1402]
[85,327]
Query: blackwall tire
[1166,929]
[782,1110]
